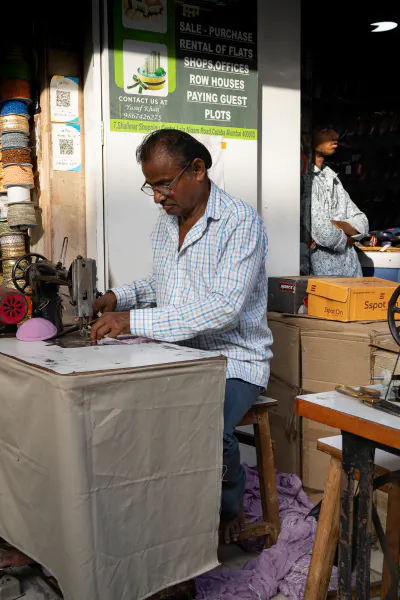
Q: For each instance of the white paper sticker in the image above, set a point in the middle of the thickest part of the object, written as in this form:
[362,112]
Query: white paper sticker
[64,99]
[66,147]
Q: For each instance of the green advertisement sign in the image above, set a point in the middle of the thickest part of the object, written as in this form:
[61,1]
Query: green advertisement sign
[189,65]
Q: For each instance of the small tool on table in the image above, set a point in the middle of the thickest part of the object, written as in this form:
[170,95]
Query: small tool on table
[370,397]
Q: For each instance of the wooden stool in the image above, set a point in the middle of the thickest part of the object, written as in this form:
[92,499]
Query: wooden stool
[327,535]
[258,417]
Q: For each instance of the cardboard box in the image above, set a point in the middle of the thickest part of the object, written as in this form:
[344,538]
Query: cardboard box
[296,438]
[287,294]
[316,354]
[286,362]
[285,426]
[315,464]
[364,299]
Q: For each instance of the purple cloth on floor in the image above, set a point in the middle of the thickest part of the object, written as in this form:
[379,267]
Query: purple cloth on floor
[282,568]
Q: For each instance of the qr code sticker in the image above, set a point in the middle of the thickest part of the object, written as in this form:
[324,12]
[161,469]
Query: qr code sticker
[66,147]
[63,99]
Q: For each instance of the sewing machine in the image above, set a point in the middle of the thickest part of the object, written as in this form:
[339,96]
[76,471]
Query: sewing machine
[33,275]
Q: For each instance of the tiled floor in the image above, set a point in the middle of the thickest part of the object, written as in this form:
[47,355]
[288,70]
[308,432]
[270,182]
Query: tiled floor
[232,557]
[32,586]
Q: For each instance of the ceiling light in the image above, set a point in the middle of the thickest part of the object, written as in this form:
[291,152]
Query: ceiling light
[383,26]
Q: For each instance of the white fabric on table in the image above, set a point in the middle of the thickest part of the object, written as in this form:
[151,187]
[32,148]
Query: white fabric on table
[112,480]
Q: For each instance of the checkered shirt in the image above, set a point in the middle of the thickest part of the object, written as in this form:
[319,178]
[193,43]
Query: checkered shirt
[212,293]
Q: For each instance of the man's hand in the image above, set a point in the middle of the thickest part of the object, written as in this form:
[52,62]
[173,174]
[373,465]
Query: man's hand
[113,324]
[105,304]
[346,227]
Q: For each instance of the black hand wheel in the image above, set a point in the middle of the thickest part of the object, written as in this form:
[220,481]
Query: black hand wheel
[394,310]
[20,270]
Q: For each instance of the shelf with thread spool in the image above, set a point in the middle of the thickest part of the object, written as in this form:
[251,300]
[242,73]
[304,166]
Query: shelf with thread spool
[22,214]
[14,123]
[12,246]
[16,155]
[14,107]
[14,139]
[19,174]
[15,89]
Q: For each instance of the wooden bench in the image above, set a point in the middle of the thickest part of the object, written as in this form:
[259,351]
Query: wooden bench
[257,416]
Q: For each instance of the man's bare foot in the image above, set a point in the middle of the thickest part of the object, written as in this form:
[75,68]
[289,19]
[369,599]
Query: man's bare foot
[230,530]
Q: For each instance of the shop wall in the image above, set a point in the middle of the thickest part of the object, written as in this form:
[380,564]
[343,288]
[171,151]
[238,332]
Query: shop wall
[60,192]
[279,180]
[270,182]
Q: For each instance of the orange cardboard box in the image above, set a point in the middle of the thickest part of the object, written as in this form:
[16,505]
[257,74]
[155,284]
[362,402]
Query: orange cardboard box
[350,299]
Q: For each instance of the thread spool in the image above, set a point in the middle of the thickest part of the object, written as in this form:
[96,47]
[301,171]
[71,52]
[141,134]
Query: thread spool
[12,89]
[14,140]
[17,193]
[20,175]
[10,123]
[4,229]
[14,107]
[15,67]
[3,206]
[21,214]
[13,246]
[12,242]
[16,155]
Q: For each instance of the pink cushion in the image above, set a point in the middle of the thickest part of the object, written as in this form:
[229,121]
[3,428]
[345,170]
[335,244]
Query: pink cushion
[36,330]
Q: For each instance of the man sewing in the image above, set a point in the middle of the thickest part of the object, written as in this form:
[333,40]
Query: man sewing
[208,289]
[329,217]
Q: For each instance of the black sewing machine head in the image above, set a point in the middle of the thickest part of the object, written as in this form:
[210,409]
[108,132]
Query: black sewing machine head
[35,276]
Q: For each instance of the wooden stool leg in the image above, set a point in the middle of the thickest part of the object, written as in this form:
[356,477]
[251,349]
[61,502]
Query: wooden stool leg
[326,538]
[266,473]
[392,533]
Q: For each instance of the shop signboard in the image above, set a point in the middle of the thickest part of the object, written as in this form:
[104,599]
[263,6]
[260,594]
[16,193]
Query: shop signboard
[186,64]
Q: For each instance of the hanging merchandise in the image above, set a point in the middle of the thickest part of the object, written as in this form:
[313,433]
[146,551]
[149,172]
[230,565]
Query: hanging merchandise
[16,156]
[3,207]
[15,67]
[22,214]
[2,188]
[11,89]
[14,140]
[12,247]
[17,212]
[20,175]
[18,123]
[14,107]
[16,193]
[4,228]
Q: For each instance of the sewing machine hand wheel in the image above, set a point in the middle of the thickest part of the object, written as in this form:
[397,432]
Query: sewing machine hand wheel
[20,269]
[394,310]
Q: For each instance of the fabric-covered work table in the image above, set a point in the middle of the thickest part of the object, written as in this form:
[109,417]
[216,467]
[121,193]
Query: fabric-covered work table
[363,430]
[111,463]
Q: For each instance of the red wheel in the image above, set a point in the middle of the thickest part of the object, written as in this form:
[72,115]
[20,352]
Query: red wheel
[13,306]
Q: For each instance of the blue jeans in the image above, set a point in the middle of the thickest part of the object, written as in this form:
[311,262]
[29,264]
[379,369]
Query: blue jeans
[239,398]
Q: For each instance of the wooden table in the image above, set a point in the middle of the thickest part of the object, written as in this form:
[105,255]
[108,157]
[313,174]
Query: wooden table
[363,429]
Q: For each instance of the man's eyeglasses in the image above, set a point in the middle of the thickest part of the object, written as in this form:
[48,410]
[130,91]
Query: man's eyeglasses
[164,190]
